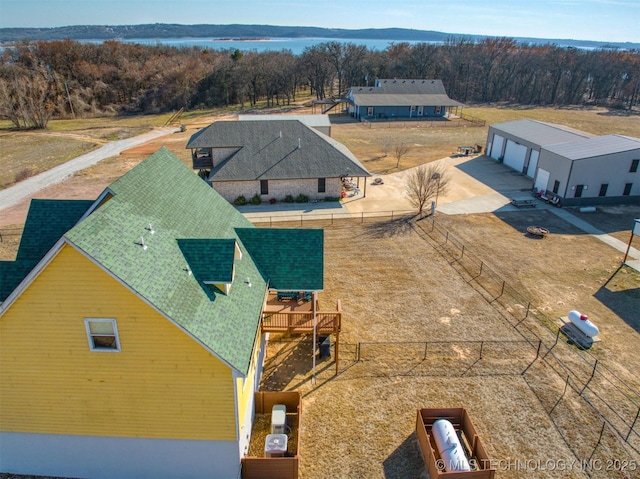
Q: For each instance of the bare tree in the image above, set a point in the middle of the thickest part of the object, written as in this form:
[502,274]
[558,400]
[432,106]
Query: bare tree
[426,182]
[387,143]
[401,150]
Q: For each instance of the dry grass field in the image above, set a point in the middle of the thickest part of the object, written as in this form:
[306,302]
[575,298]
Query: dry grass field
[398,291]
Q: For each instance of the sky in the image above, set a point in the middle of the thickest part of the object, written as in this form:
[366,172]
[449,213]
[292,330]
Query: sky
[598,20]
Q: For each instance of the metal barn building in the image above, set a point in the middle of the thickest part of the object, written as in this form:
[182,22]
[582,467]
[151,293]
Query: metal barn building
[573,166]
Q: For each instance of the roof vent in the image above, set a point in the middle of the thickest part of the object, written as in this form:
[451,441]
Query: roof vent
[247,282]
[280,133]
[150,229]
[299,144]
[141,243]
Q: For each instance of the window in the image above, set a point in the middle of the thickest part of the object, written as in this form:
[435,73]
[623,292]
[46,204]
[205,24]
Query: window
[634,166]
[627,189]
[370,111]
[102,334]
[603,189]
[322,185]
[579,189]
[264,187]
[556,186]
[438,110]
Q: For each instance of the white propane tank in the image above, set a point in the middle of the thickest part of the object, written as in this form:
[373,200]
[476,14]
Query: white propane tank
[449,446]
[582,322]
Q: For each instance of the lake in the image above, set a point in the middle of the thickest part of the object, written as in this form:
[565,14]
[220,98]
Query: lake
[296,45]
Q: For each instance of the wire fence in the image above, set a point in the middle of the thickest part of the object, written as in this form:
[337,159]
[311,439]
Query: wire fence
[318,219]
[579,377]
[7,234]
[465,121]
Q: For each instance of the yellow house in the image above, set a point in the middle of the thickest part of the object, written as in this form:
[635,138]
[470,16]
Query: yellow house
[130,341]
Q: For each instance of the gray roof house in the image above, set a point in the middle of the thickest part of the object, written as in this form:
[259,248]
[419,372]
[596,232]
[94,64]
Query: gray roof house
[273,160]
[401,99]
[573,167]
[319,122]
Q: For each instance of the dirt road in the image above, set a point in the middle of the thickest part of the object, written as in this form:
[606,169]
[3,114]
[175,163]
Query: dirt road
[15,194]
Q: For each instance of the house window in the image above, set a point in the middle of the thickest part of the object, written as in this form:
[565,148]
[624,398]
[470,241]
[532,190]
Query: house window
[627,189]
[413,108]
[322,185]
[420,110]
[102,334]
[556,186]
[264,187]
[578,193]
[634,166]
[370,111]
[438,110]
[603,189]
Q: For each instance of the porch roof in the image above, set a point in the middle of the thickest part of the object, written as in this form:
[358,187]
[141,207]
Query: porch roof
[292,259]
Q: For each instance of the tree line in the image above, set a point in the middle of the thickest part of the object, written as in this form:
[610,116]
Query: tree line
[64,79]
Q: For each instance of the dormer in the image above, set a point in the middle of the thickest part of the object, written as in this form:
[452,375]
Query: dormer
[211,261]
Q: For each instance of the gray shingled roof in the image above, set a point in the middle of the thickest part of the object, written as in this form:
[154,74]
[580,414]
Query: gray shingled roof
[597,146]
[540,132]
[403,92]
[274,150]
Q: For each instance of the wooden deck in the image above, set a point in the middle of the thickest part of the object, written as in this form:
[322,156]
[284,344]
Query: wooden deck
[296,317]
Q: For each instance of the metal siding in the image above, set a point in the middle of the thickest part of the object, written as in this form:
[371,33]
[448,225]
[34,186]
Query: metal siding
[110,457]
[162,384]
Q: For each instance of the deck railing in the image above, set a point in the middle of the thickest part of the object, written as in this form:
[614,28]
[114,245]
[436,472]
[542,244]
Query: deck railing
[302,322]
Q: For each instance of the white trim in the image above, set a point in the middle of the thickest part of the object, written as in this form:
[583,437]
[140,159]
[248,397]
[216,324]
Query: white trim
[94,206]
[33,274]
[92,345]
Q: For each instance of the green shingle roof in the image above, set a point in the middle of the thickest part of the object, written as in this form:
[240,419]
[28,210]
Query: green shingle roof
[210,260]
[292,259]
[47,221]
[189,220]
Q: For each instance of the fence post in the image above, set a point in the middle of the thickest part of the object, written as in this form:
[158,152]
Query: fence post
[595,365]
[597,443]
[426,346]
[566,385]
[300,220]
[481,348]
[462,255]
[527,313]
[358,352]
[481,265]
[539,346]
[632,426]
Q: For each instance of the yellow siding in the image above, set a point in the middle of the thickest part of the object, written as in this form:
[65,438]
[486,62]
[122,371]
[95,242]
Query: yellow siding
[161,385]
[245,387]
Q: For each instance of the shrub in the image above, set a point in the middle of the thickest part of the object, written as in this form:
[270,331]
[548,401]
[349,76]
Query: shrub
[240,200]
[331,198]
[302,198]
[256,199]
[288,199]
[23,174]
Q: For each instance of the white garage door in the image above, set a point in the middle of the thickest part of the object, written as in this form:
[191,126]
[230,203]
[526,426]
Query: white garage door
[514,155]
[542,180]
[496,147]
[533,163]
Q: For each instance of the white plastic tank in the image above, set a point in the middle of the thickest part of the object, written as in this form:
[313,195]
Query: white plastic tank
[581,321]
[449,446]
[278,419]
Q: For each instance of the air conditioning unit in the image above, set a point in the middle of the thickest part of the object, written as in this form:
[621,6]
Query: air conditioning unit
[275,445]
[279,419]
